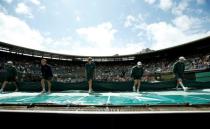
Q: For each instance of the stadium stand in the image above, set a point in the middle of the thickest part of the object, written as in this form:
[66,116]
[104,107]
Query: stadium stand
[70,68]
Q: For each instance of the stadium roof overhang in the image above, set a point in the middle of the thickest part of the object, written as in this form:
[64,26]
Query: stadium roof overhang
[196,46]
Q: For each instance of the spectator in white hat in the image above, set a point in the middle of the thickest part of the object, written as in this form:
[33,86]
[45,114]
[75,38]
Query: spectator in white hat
[178,69]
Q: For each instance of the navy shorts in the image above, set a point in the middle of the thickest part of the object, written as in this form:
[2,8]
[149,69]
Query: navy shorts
[11,79]
[47,78]
[89,77]
[179,76]
[137,77]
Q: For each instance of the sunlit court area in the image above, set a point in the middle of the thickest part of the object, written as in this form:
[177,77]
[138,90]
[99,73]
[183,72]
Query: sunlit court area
[79,98]
[117,61]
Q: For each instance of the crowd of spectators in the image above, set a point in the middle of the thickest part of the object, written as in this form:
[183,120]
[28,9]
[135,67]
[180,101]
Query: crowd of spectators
[118,72]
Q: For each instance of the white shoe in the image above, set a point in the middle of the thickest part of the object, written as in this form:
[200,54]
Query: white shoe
[185,88]
[134,89]
[90,91]
[43,91]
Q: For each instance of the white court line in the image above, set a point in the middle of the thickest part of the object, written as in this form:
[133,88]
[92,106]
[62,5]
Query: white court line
[76,101]
[108,100]
[25,98]
[68,101]
[200,98]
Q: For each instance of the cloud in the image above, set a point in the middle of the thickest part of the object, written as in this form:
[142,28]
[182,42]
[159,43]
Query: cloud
[181,7]
[183,22]
[78,18]
[150,1]
[159,35]
[3,9]
[68,45]
[125,49]
[101,35]
[64,45]
[166,4]
[23,9]
[42,7]
[100,39]
[129,21]
[36,2]
[201,1]
[17,32]
[130,48]
[135,22]
[165,35]
[8,1]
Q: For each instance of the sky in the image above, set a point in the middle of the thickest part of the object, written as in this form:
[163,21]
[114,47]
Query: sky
[102,27]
